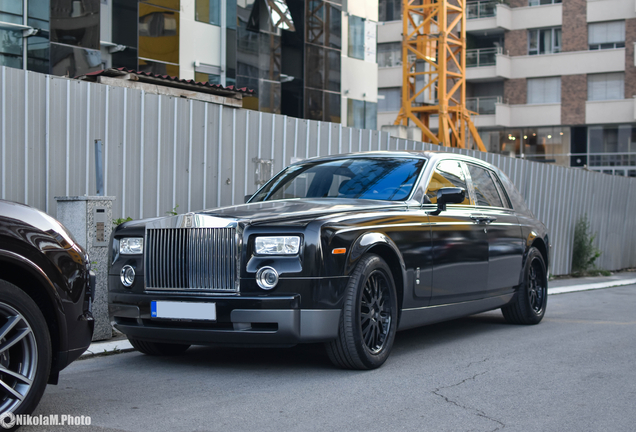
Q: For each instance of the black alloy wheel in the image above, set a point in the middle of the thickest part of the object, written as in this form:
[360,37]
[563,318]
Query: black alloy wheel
[25,351]
[529,304]
[375,311]
[536,287]
[368,321]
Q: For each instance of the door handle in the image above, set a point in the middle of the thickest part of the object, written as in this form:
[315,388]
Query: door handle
[479,218]
[483,219]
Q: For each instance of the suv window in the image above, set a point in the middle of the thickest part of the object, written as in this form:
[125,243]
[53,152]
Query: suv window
[448,173]
[486,193]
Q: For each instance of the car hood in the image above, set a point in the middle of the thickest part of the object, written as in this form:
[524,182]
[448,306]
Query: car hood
[298,209]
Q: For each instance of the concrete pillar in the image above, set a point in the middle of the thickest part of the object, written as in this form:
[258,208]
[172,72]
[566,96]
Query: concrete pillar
[90,220]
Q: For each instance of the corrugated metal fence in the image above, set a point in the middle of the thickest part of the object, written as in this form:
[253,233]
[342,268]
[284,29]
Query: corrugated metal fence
[160,152]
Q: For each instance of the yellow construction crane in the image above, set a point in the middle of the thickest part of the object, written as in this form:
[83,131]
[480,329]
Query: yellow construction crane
[433,66]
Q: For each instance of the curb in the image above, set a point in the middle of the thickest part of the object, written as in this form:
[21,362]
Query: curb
[592,286]
[106,348]
[123,345]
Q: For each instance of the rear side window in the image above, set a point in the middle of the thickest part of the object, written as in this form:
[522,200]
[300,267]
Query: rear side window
[448,173]
[502,191]
[486,193]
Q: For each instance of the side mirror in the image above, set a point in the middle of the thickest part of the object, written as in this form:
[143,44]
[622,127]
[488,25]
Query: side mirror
[247,198]
[448,195]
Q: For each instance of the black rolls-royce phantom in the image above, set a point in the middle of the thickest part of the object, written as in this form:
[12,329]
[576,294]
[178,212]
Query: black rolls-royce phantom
[345,250]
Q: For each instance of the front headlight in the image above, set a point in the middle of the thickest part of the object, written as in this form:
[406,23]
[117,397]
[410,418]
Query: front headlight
[131,246]
[280,245]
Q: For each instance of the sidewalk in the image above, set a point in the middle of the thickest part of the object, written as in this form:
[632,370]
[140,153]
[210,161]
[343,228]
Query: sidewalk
[557,286]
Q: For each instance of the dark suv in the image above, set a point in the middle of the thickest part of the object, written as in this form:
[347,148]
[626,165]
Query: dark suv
[46,292]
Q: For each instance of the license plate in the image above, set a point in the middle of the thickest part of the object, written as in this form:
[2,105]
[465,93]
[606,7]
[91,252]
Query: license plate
[183,310]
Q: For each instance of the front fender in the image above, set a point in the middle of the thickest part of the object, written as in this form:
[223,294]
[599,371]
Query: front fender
[365,243]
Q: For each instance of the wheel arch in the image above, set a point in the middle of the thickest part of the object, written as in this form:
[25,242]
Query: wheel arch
[31,279]
[541,244]
[381,245]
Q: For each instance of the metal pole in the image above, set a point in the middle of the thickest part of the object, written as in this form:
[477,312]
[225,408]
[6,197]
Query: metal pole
[99,168]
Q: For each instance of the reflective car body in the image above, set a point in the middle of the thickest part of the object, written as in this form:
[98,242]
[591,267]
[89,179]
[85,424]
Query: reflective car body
[466,259]
[39,257]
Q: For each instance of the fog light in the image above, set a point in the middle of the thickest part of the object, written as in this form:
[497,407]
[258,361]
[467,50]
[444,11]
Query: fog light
[267,278]
[127,275]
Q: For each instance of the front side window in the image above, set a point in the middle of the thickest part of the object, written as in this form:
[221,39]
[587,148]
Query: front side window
[389,179]
[544,90]
[449,173]
[486,193]
[607,86]
[606,35]
[544,41]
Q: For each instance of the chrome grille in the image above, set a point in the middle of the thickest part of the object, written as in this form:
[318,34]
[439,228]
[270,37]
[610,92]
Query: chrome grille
[191,259]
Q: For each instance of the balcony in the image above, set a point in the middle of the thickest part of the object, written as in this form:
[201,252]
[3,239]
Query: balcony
[484,105]
[528,115]
[488,16]
[610,111]
[481,9]
[486,64]
[482,57]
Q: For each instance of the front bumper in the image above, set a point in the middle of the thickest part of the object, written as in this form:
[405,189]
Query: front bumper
[241,320]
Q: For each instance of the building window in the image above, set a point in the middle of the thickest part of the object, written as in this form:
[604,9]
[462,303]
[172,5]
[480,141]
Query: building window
[389,54]
[544,41]
[606,35]
[612,146]
[356,37]
[544,90]
[606,86]
[392,99]
[208,11]
[208,78]
[158,40]
[362,114]
[543,2]
[390,10]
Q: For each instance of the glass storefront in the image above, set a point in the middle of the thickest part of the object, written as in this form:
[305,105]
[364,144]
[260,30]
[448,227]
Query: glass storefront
[543,144]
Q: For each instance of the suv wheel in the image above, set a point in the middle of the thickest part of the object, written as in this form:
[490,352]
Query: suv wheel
[25,351]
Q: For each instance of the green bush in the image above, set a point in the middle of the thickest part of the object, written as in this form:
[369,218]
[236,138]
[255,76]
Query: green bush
[121,220]
[584,252]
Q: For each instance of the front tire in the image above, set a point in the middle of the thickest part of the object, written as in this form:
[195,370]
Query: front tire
[532,297]
[25,351]
[368,321]
[157,348]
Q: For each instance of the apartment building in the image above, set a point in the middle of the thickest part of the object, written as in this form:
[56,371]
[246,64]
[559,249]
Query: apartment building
[552,81]
[313,59]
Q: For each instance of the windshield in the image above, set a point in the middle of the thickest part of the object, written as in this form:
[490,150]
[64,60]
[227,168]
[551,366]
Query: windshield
[390,179]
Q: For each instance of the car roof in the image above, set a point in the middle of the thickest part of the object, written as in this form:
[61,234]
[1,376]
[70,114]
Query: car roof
[425,154]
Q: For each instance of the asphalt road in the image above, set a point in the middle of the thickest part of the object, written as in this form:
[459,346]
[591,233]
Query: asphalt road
[573,372]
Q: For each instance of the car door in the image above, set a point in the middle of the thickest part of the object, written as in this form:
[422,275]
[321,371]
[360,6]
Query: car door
[505,244]
[459,242]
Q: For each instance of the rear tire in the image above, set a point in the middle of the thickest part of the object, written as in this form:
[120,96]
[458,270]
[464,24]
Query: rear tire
[368,321]
[532,297]
[157,348]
